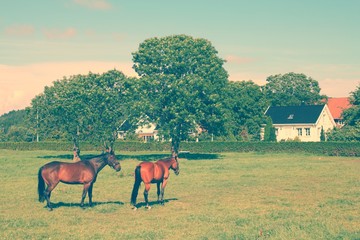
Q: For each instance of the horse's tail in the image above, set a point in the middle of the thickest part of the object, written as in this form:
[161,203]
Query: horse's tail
[136,185]
[41,186]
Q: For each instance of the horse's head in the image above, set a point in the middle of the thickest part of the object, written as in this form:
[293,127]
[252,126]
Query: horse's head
[175,164]
[112,161]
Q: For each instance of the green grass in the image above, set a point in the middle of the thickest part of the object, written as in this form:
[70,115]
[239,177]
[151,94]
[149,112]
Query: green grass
[226,196]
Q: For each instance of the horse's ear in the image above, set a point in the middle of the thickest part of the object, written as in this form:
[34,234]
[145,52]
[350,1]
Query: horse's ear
[110,150]
[173,154]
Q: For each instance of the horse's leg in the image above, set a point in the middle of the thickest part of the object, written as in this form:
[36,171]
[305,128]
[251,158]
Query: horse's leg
[85,190]
[146,193]
[47,194]
[158,191]
[163,185]
[90,194]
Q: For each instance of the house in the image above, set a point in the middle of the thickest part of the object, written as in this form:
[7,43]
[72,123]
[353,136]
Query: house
[336,107]
[148,132]
[300,122]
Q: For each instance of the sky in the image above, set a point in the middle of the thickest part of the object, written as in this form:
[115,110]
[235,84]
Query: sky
[42,41]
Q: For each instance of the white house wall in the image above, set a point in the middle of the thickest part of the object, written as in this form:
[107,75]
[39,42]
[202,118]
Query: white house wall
[290,132]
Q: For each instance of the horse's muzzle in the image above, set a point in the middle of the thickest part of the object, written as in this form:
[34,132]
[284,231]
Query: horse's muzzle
[117,167]
[177,172]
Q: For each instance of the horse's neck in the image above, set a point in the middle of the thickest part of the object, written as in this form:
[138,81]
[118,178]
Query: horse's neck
[166,162]
[98,163]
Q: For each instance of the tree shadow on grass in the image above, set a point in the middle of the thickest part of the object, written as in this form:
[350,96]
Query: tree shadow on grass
[154,157]
[62,204]
[200,156]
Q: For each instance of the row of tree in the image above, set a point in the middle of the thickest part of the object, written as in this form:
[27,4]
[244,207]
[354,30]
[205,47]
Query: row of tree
[182,87]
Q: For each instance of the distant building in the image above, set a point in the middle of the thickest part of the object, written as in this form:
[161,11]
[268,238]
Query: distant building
[336,107]
[300,122]
[148,132]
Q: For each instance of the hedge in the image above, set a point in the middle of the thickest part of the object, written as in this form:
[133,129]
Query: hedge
[319,148]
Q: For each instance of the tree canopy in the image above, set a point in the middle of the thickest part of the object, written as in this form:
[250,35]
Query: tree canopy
[183,80]
[83,107]
[245,104]
[292,89]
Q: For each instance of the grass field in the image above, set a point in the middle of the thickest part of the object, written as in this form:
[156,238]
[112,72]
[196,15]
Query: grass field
[225,196]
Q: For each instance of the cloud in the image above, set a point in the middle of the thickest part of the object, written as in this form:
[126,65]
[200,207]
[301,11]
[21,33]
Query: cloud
[94,4]
[20,84]
[53,34]
[20,30]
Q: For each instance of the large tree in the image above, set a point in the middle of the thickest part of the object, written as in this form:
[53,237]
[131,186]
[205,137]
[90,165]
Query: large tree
[183,79]
[292,89]
[83,107]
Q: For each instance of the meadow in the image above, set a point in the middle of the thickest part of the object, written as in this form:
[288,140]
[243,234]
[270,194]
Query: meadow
[215,196]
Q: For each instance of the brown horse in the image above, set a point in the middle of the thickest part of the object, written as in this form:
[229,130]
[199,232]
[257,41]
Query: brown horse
[82,172]
[158,173]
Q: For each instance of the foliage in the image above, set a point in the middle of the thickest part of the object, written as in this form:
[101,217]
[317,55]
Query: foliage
[182,81]
[12,118]
[319,148]
[346,133]
[269,131]
[351,118]
[84,107]
[245,104]
[13,127]
[292,89]
[322,135]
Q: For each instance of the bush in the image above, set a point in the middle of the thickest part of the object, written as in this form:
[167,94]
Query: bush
[319,148]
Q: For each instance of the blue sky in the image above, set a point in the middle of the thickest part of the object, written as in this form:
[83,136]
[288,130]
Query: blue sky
[42,41]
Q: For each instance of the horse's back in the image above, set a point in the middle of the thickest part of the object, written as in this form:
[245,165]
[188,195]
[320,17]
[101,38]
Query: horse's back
[151,172]
[67,172]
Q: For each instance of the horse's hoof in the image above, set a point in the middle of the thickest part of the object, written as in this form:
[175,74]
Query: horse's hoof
[148,207]
[134,208]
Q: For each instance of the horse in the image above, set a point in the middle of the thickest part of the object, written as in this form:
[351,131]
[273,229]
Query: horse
[158,172]
[82,172]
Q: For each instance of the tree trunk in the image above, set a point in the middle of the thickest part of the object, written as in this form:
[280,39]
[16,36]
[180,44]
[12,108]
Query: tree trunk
[76,151]
[175,145]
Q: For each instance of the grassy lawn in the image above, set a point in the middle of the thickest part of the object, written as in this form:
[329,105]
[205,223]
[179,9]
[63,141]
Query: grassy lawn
[225,196]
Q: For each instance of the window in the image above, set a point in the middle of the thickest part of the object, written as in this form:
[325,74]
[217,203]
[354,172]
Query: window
[307,131]
[299,130]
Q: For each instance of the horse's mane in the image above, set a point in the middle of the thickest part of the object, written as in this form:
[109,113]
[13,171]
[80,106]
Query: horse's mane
[166,159]
[100,156]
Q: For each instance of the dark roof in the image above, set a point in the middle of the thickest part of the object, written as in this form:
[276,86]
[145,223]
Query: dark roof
[294,114]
